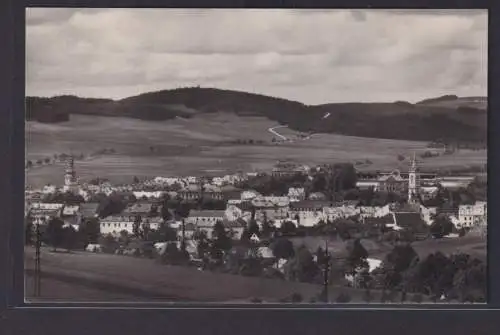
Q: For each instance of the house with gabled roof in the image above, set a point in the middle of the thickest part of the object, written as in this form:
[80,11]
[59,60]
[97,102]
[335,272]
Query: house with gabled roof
[411,221]
[236,228]
[235,211]
[139,208]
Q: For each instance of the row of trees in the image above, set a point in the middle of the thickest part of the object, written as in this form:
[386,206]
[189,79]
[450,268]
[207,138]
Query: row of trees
[456,277]
[55,158]
[57,235]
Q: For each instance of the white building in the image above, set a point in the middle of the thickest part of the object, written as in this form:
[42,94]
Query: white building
[271,208]
[308,213]
[70,210]
[234,212]
[367,184]
[471,215]
[115,224]
[148,194]
[341,210]
[428,214]
[249,195]
[373,211]
[46,206]
[205,217]
[296,194]
[49,189]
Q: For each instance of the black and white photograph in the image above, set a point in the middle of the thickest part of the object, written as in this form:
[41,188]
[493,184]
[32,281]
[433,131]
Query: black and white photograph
[256,156]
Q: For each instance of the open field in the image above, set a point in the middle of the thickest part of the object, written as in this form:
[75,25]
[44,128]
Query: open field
[200,146]
[470,244]
[120,278]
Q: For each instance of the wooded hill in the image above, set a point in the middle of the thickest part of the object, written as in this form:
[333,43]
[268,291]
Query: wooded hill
[444,118]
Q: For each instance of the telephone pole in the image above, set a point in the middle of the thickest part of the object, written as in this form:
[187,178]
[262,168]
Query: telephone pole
[37,281]
[183,241]
[326,272]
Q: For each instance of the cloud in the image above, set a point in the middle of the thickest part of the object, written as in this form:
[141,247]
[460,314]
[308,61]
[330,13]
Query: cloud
[305,55]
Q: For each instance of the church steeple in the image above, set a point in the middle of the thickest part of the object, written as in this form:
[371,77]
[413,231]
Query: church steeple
[70,175]
[413,165]
[413,181]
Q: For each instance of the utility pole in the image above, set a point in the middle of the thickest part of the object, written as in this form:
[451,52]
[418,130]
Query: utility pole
[183,241]
[326,271]
[37,281]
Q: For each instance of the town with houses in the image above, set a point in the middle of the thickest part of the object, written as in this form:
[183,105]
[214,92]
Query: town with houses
[295,206]
[203,203]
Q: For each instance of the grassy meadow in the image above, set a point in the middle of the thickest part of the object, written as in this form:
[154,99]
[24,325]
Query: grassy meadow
[202,145]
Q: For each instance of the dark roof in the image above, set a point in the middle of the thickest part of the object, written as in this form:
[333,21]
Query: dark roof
[388,219]
[207,213]
[188,226]
[239,223]
[89,209]
[230,195]
[244,205]
[229,188]
[409,220]
[316,204]
[139,208]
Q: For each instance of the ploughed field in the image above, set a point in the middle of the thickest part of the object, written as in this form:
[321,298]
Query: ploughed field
[205,144]
[89,277]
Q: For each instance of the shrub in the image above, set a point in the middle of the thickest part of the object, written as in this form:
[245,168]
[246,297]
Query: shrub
[367,296]
[296,297]
[343,298]
[417,298]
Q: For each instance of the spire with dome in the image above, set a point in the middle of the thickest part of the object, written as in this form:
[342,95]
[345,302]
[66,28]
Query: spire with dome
[413,181]
[70,175]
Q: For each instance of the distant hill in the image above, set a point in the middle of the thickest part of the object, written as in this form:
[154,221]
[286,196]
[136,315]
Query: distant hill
[455,102]
[444,118]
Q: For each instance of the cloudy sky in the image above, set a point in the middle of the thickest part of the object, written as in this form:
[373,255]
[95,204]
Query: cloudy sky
[312,56]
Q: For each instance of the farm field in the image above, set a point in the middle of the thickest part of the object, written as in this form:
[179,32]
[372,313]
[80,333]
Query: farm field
[121,277]
[201,145]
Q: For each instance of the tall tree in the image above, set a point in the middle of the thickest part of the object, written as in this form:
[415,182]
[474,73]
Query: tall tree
[136,228]
[302,267]
[441,226]
[167,233]
[221,241]
[288,228]
[398,265]
[267,228]
[89,231]
[28,231]
[282,248]
[54,232]
[202,244]
[70,238]
[356,258]
[253,228]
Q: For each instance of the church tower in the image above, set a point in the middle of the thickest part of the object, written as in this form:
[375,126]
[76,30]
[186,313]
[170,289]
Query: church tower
[413,182]
[69,175]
